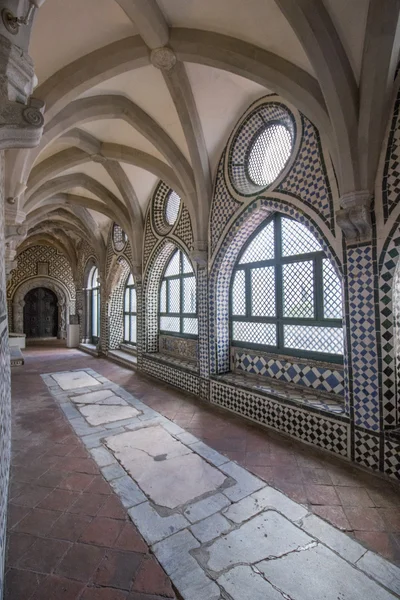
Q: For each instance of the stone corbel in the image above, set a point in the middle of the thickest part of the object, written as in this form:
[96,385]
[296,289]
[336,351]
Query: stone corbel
[137,272]
[199,254]
[354,218]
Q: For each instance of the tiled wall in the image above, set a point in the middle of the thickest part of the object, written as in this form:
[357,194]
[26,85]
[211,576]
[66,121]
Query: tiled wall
[310,374]
[5,404]
[362,407]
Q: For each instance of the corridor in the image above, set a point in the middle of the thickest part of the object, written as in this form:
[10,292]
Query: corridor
[97,447]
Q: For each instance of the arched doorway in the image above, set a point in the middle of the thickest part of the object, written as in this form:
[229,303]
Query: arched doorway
[40,313]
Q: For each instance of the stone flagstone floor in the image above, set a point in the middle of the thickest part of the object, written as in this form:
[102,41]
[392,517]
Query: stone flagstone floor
[40,435]
[217,530]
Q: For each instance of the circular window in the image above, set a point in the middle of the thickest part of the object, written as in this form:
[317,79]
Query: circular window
[172,206]
[268,154]
[119,237]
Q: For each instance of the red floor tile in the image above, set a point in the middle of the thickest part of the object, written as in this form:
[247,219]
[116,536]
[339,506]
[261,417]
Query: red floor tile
[21,585]
[102,532]
[364,519]
[118,569]
[80,562]
[92,593]
[151,579]
[69,527]
[44,555]
[55,588]
[38,522]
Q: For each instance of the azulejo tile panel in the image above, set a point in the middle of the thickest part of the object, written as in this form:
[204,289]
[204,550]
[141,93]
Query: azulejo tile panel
[389,308]
[180,347]
[367,449]
[392,459]
[323,432]
[323,378]
[391,177]
[175,376]
[362,333]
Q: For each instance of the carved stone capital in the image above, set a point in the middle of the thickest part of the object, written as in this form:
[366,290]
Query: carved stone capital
[137,272]
[355,215]
[199,254]
[163,58]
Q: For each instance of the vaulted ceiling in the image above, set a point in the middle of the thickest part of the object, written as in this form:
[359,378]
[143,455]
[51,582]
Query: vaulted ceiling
[142,90]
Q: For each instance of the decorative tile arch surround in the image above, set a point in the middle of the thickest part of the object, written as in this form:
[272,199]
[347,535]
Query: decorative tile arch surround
[66,304]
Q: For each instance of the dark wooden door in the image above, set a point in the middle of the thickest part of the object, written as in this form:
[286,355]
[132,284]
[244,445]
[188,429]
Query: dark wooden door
[40,313]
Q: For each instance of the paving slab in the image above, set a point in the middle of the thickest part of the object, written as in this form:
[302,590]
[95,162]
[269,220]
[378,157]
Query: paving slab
[152,526]
[266,498]
[265,536]
[210,528]
[333,538]
[319,573]
[206,507]
[246,482]
[100,415]
[95,397]
[243,582]
[191,581]
[382,570]
[72,380]
[166,470]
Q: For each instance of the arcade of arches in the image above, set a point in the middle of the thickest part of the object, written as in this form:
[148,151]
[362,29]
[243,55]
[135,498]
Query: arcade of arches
[206,196]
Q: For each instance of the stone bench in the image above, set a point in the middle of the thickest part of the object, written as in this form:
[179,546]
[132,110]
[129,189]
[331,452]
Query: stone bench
[287,392]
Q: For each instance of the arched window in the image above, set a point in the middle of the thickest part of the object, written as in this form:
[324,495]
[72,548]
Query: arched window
[178,306]
[285,294]
[94,287]
[130,312]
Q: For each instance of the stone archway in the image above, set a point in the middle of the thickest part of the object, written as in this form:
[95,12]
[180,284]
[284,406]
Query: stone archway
[63,298]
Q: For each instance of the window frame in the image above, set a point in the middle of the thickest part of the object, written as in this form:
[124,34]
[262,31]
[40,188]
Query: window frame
[277,263]
[181,315]
[94,293]
[128,313]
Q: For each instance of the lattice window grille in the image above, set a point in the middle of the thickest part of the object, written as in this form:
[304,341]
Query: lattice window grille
[289,298]
[332,291]
[130,312]
[178,301]
[119,237]
[298,290]
[172,206]
[94,287]
[269,153]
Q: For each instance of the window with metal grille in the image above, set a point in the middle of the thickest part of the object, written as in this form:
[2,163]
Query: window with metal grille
[178,305]
[268,153]
[130,312]
[119,237]
[172,206]
[286,295]
[94,296]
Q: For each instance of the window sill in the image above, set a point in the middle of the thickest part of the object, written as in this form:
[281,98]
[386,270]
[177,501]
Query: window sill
[90,349]
[286,393]
[173,361]
[125,358]
[128,349]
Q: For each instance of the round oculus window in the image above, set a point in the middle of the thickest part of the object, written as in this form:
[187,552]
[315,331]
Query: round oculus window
[119,237]
[269,152]
[172,206]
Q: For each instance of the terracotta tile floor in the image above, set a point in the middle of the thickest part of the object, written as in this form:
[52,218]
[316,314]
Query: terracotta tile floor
[80,539]
[69,536]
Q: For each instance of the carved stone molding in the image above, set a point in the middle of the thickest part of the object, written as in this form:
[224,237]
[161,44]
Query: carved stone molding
[354,218]
[163,58]
[14,236]
[64,303]
[21,116]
